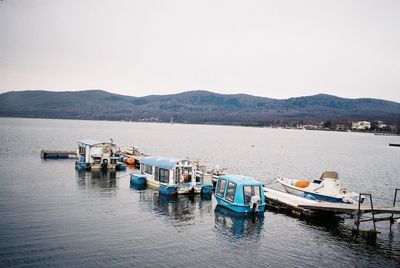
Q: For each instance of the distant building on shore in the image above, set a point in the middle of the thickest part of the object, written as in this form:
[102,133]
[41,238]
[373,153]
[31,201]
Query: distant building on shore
[361,125]
[342,127]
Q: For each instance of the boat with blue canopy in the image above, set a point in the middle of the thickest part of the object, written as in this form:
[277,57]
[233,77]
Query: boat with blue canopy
[240,194]
[174,176]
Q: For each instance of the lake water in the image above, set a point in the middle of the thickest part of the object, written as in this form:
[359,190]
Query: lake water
[51,215]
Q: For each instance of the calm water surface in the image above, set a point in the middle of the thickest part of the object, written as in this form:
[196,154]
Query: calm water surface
[51,215]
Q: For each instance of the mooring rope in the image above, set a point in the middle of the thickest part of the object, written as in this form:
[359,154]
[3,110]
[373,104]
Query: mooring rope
[123,176]
[270,182]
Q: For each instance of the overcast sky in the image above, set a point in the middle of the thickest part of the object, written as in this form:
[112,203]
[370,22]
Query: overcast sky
[277,49]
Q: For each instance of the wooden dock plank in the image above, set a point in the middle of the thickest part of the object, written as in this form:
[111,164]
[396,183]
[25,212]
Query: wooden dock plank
[350,208]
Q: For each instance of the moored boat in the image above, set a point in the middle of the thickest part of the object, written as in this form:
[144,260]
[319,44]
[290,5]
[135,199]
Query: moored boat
[129,160]
[130,155]
[240,194]
[173,176]
[97,155]
[326,188]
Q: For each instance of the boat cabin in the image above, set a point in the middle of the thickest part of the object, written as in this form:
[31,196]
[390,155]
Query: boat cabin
[240,193]
[96,154]
[171,176]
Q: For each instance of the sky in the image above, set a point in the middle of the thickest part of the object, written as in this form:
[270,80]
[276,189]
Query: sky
[277,49]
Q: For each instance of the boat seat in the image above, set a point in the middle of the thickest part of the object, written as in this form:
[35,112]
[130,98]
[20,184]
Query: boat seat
[330,175]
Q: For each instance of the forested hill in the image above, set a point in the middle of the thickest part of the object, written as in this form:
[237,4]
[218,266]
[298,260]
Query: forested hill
[193,107]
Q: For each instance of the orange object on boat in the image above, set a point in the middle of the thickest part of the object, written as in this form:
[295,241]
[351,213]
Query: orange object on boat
[129,161]
[302,184]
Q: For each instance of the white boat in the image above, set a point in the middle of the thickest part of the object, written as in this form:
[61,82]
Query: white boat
[95,155]
[174,176]
[131,151]
[326,188]
[130,155]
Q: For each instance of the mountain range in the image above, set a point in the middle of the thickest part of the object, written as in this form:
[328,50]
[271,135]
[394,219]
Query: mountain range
[200,106]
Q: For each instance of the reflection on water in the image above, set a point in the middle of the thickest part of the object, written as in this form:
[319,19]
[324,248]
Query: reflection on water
[138,187]
[97,179]
[237,226]
[178,210]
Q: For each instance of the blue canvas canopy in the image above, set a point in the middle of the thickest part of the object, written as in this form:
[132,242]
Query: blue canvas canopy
[160,162]
[241,180]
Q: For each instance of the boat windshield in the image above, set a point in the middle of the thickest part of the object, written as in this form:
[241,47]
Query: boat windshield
[250,191]
[221,187]
[230,192]
[163,175]
[330,175]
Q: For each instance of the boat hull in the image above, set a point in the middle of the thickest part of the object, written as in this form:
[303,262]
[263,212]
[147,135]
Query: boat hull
[99,166]
[311,196]
[167,190]
[172,189]
[238,208]
[188,190]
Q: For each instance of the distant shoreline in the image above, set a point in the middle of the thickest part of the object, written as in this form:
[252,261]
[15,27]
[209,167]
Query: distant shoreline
[376,133]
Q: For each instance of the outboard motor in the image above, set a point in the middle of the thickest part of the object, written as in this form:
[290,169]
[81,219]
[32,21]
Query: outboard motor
[104,164]
[191,191]
[254,200]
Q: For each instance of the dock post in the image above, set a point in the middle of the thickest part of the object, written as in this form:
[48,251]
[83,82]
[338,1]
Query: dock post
[358,219]
[394,204]
[372,212]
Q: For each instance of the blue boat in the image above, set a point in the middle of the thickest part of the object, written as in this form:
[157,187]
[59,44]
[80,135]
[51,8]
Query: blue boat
[174,176]
[97,155]
[240,194]
[138,179]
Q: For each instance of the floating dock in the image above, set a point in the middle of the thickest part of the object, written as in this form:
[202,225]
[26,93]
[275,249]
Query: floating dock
[291,203]
[343,208]
[52,154]
[305,207]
